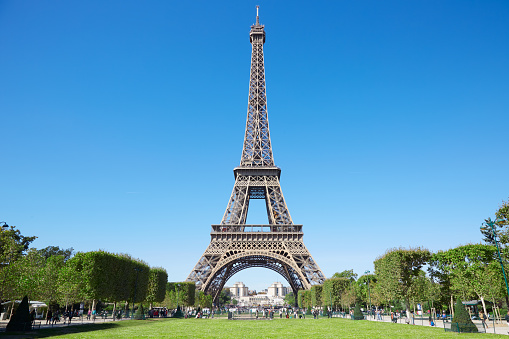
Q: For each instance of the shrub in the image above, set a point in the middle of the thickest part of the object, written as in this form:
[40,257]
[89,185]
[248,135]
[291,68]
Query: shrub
[357,313]
[140,313]
[461,321]
[20,320]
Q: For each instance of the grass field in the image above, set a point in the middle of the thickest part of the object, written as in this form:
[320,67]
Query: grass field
[223,328]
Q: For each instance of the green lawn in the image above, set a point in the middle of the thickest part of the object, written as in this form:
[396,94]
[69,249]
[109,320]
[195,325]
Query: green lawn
[223,328]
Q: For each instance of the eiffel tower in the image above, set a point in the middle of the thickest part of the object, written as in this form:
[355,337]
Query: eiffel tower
[235,246]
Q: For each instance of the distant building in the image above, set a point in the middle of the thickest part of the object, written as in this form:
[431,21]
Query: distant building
[273,296]
[239,290]
[277,290]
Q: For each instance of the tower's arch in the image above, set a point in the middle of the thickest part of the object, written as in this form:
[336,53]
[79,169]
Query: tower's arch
[241,261]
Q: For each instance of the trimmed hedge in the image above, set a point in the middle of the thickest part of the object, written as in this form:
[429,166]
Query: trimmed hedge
[461,321]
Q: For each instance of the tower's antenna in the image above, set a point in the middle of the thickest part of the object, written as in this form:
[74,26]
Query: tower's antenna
[257,18]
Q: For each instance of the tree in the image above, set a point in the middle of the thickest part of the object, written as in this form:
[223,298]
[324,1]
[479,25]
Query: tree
[396,270]
[290,298]
[156,285]
[332,290]
[501,227]
[186,293]
[349,295]
[304,298]
[26,273]
[205,300]
[365,284]
[466,268]
[13,246]
[316,295]
[48,280]
[348,274]
[225,296]
[50,251]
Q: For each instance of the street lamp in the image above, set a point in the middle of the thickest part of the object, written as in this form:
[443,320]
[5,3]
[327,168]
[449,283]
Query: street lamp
[4,224]
[178,291]
[369,291]
[485,227]
[138,270]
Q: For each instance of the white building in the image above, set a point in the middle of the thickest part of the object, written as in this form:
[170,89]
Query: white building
[277,290]
[239,290]
[273,296]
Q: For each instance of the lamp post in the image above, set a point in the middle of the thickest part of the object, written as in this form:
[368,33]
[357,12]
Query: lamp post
[330,296]
[4,224]
[491,224]
[138,270]
[369,291]
[178,291]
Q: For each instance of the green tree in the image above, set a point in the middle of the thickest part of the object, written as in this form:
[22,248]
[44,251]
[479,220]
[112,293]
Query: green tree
[13,246]
[224,297]
[48,280]
[304,298]
[365,283]
[156,285]
[316,295]
[396,271]
[205,300]
[50,251]
[186,293]
[501,226]
[466,268]
[290,298]
[348,274]
[27,272]
[332,290]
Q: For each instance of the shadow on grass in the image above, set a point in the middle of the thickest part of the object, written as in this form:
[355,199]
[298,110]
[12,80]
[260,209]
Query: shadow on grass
[50,332]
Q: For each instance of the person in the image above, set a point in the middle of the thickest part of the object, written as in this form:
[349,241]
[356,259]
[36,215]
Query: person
[507,317]
[49,315]
[444,317]
[56,318]
[32,316]
[431,323]
[69,315]
[483,319]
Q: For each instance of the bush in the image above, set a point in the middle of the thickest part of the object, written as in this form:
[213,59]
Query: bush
[357,313]
[461,321]
[178,313]
[140,313]
[20,320]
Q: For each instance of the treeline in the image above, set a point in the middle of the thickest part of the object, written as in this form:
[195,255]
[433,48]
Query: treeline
[185,294]
[53,276]
[406,277]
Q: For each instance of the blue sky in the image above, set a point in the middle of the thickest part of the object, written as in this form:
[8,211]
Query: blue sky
[121,123]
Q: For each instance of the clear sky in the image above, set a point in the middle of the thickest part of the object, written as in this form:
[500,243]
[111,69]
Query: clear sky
[121,123]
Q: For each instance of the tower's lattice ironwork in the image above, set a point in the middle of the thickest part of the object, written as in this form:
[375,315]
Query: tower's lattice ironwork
[235,246]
